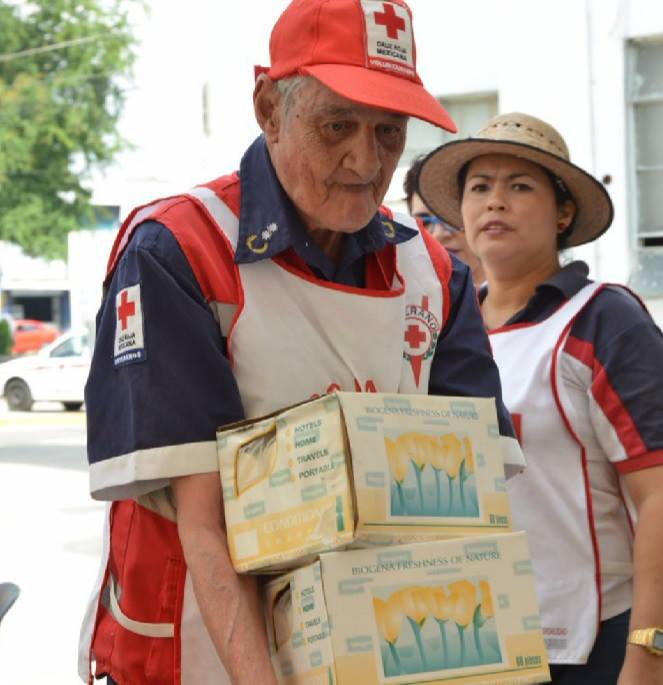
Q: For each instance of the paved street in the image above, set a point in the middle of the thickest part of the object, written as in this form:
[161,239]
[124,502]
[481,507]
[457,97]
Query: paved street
[49,542]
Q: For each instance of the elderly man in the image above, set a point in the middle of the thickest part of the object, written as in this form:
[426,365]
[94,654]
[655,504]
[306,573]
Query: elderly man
[257,290]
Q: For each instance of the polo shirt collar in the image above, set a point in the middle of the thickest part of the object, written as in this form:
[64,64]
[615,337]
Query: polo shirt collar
[568,280]
[269,223]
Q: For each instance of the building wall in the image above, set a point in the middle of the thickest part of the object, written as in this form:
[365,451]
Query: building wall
[88,254]
[562,61]
[27,280]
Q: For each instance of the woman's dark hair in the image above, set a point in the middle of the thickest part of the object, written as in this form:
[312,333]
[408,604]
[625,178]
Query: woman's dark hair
[562,196]
[410,180]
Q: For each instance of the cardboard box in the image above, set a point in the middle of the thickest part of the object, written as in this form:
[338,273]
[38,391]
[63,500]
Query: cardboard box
[361,469]
[462,611]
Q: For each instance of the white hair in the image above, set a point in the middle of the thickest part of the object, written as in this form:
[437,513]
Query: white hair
[289,87]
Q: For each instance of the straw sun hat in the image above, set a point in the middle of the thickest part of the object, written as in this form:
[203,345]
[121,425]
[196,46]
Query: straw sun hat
[528,138]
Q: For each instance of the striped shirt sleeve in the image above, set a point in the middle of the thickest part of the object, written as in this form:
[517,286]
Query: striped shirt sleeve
[621,347]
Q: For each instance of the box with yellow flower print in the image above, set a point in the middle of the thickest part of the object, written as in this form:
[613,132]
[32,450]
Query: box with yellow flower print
[425,467]
[360,469]
[462,611]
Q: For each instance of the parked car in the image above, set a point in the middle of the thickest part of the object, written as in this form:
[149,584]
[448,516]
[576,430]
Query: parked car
[30,335]
[56,373]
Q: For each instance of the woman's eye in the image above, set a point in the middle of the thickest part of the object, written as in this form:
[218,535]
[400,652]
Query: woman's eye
[521,187]
[479,187]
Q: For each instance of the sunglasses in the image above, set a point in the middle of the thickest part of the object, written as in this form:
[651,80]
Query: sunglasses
[431,220]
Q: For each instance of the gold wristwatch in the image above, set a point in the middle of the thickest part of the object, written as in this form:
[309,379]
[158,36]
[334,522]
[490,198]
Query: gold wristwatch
[649,638]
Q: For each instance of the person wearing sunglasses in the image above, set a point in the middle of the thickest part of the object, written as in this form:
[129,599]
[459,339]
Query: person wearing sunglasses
[452,238]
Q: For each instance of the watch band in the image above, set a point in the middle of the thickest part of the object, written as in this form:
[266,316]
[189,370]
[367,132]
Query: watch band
[645,638]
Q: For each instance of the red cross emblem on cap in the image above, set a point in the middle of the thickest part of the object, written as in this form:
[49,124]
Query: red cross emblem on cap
[125,310]
[390,20]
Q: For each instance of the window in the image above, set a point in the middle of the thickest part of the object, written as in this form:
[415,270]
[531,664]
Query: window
[470,112]
[644,90]
[73,347]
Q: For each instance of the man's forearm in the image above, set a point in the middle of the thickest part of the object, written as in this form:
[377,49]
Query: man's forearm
[230,608]
[228,603]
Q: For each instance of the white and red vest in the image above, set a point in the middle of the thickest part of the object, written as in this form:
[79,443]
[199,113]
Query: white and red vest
[569,498]
[290,336]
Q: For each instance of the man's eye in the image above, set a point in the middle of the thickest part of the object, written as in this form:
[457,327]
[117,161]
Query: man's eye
[479,187]
[521,187]
[338,126]
[390,131]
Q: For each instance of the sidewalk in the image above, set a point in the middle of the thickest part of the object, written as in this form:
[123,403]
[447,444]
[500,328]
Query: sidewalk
[49,545]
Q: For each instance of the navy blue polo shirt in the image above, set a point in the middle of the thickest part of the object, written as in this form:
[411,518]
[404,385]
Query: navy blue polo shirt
[614,335]
[182,388]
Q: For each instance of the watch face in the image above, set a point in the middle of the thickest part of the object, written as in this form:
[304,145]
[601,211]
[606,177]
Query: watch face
[658,640]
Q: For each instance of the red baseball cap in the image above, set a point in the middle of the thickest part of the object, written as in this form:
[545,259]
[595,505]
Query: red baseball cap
[361,49]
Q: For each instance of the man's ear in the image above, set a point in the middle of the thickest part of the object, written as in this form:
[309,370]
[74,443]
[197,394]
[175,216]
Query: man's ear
[267,107]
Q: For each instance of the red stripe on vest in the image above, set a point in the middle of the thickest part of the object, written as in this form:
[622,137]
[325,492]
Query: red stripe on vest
[147,563]
[207,250]
[124,235]
[442,263]
[330,285]
[591,523]
[517,421]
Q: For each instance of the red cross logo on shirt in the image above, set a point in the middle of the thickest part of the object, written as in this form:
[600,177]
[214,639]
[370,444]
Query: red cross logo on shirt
[414,336]
[125,310]
[391,20]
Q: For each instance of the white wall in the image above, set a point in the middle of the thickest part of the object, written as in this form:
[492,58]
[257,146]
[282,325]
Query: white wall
[533,54]
[30,274]
[88,255]
[182,49]
[562,61]
[642,17]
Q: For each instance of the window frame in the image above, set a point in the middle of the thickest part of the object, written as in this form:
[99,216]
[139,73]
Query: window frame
[636,237]
[447,101]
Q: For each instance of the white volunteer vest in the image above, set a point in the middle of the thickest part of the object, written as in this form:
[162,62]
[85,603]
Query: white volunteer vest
[292,338]
[569,484]
[296,337]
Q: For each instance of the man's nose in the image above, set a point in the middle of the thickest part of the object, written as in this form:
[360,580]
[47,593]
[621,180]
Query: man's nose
[364,155]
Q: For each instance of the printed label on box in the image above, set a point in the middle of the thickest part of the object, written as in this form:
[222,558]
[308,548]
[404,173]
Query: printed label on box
[287,489]
[298,629]
[463,611]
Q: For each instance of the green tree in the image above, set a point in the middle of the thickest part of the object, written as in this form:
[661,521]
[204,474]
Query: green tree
[62,63]
[5,338]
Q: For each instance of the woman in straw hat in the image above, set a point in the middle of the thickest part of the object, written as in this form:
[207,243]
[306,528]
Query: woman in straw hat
[581,369]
